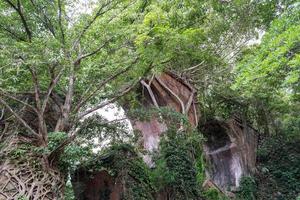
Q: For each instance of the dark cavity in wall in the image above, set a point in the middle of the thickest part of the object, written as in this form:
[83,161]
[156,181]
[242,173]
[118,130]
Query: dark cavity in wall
[216,136]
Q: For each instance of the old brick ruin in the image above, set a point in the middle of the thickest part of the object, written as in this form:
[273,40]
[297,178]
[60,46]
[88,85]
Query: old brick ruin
[230,151]
[230,148]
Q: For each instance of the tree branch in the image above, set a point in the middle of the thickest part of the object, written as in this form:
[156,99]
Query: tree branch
[193,67]
[172,93]
[100,85]
[42,127]
[60,22]
[12,33]
[18,100]
[59,149]
[89,24]
[37,92]
[189,103]
[2,114]
[122,93]
[195,113]
[19,118]
[60,125]
[50,89]
[46,21]
[93,52]
[18,8]
[150,93]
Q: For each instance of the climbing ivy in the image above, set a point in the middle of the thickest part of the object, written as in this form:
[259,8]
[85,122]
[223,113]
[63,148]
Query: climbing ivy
[214,194]
[247,189]
[178,169]
[175,173]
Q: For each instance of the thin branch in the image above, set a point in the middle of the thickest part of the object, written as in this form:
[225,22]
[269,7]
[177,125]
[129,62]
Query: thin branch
[19,118]
[93,52]
[89,24]
[2,113]
[37,92]
[18,8]
[46,21]
[125,91]
[4,130]
[50,89]
[193,67]
[18,100]
[60,22]
[12,33]
[58,150]
[189,103]
[42,127]
[102,84]
[195,114]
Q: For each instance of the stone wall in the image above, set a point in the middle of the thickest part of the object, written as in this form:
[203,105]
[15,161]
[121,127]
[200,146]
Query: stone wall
[230,151]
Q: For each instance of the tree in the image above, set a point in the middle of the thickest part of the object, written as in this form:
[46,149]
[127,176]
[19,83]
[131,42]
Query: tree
[44,54]
[268,74]
[55,58]
[202,40]
[76,63]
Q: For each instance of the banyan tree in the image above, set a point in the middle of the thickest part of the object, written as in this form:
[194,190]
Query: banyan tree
[24,172]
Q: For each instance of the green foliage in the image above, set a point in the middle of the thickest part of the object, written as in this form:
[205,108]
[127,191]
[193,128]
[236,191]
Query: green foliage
[69,193]
[213,194]
[247,189]
[123,163]
[74,155]
[55,138]
[151,36]
[175,171]
[22,198]
[18,153]
[279,160]
[269,75]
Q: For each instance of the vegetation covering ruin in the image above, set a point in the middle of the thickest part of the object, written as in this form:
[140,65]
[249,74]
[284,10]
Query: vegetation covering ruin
[178,64]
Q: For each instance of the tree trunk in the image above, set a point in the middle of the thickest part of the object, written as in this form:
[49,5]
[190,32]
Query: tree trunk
[24,168]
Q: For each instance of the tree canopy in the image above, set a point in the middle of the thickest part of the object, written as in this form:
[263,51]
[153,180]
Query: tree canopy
[73,58]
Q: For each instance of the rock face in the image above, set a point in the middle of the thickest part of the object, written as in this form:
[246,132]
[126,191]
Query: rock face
[230,150]
[166,90]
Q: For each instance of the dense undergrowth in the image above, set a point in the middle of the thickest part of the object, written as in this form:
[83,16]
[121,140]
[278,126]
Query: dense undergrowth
[175,174]
[176,170]
[179,169]
[278,174]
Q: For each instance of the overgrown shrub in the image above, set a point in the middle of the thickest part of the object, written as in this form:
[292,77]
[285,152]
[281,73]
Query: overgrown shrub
[279,171]
[123,162]
[213,194]
[247,189]
[175,172]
